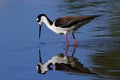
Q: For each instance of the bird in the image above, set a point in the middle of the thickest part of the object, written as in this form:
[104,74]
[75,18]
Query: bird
[65,24]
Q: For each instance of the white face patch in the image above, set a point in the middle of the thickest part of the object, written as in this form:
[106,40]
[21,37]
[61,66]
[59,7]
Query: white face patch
[37,19]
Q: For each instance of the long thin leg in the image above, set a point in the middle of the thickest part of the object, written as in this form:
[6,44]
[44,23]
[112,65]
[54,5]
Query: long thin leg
[75,41]
[66,37]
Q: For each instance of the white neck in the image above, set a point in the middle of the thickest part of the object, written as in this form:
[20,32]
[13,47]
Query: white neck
[46,21]
[50,25]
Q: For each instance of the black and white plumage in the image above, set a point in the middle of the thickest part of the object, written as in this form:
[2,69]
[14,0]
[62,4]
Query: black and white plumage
[65,25]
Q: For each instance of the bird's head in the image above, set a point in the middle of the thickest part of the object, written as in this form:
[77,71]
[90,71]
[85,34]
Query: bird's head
[39,18]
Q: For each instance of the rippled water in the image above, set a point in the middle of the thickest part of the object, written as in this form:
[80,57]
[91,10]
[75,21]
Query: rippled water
[96,57]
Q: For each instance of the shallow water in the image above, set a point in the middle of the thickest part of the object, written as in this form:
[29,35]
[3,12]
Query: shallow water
[21,50]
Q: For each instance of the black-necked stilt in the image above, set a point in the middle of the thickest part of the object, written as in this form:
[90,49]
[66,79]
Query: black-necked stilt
[65,24]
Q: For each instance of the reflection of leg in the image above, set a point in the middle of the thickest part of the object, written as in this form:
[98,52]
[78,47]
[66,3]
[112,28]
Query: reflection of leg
[75,41]
[74,51]
[66,37]
[66,52]
[40,58]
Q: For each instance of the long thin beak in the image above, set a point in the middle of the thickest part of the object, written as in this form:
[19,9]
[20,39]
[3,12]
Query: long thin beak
[39,31]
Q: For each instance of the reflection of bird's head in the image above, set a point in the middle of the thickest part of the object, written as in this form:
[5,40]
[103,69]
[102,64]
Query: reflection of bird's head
[43,68]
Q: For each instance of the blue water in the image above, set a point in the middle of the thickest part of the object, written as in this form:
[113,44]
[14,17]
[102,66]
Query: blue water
[99,41]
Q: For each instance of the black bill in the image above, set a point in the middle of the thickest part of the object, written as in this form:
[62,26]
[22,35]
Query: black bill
[39,31]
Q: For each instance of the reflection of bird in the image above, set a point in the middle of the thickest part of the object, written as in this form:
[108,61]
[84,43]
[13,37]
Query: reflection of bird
[64,25]
[67,64]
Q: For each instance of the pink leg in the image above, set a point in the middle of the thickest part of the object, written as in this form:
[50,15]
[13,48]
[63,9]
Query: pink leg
[75,41]
[66,37]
